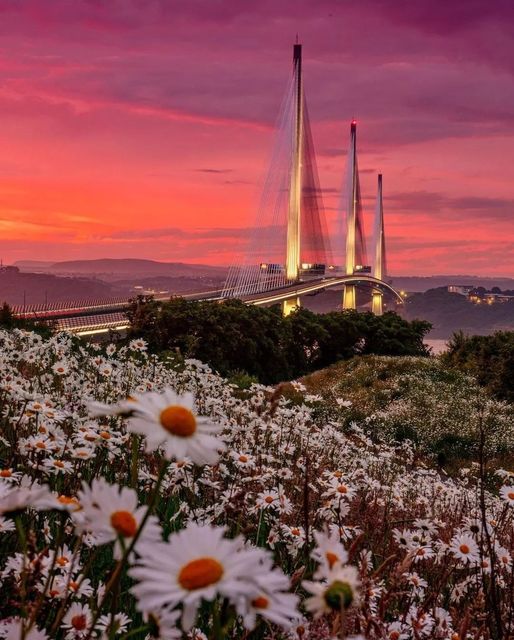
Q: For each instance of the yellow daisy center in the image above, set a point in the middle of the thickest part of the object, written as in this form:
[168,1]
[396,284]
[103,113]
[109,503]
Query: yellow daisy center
[68,500]
[200,573]
[464,548]
[124,523]
[342,489]
[332,558]
[260,603]
[79,622]
[5,473]
[243,458]
[511,495]
[178,421]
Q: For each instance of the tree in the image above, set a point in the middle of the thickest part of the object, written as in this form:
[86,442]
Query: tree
[234,337]
[490,359]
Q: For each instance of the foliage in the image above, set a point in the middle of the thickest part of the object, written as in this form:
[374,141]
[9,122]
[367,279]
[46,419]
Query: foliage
[490,359]
[236,337]
[9,321]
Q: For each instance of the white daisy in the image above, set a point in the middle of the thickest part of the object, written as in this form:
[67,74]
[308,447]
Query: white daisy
[507,493]
[329,552]
[169,421]
[6,525]
[277,607]
[77,621]
[465,548]
[339,591]
[111,512]
[61,368]
[196,564]
[14,630]
[163,624]
[112,625]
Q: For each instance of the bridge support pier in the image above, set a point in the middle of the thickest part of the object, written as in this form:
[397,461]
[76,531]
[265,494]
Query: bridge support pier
[349,297]
[377,303]
[289,305]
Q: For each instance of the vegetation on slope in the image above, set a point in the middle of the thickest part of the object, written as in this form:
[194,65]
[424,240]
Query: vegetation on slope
[440,409]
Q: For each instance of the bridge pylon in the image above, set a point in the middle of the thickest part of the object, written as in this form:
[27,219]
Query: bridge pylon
[355,247]
[294,211]
[379,257]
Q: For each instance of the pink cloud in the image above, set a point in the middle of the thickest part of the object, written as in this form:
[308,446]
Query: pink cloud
[111,110]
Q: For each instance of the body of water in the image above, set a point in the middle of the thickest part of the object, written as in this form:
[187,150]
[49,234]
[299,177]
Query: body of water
[437,345]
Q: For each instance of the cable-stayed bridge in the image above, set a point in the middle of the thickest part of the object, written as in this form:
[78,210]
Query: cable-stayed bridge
[290,248]
[289,252]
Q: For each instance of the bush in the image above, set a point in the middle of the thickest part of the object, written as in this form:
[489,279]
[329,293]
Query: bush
[9,321]
[262,343]
[490,359]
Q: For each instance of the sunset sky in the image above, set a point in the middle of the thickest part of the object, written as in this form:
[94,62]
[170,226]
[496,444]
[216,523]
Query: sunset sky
[142,128]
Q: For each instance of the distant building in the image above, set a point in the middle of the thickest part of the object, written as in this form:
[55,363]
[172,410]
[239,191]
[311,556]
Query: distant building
[492,298]
[487,297]
[462,289]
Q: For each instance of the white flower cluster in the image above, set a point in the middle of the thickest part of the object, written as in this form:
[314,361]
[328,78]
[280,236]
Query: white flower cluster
[146,494]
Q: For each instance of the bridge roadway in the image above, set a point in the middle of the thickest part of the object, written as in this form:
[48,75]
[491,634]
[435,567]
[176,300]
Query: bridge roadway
[97,318]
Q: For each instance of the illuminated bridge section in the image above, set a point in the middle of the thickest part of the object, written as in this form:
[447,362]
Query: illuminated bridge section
[315,286]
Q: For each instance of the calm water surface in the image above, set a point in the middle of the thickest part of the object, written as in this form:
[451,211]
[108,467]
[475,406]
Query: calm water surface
[438,346]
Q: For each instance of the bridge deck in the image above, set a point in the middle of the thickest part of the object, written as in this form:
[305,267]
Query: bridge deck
[99,317]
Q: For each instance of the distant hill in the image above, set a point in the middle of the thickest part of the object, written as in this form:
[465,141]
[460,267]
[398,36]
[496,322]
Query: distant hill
[120,268]
[33,265]
[38,288]
[450,312]
[419,283]
[112,268]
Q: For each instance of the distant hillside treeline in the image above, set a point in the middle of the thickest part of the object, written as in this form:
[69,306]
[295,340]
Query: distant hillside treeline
[40,288]
[452,312]
[234,337]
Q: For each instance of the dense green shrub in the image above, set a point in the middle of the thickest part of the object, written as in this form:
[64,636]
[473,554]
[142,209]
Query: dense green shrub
[490,359]
[9,321]
[234,337]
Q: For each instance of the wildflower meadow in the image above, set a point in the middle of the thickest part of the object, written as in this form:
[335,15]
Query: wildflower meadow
[148,497]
